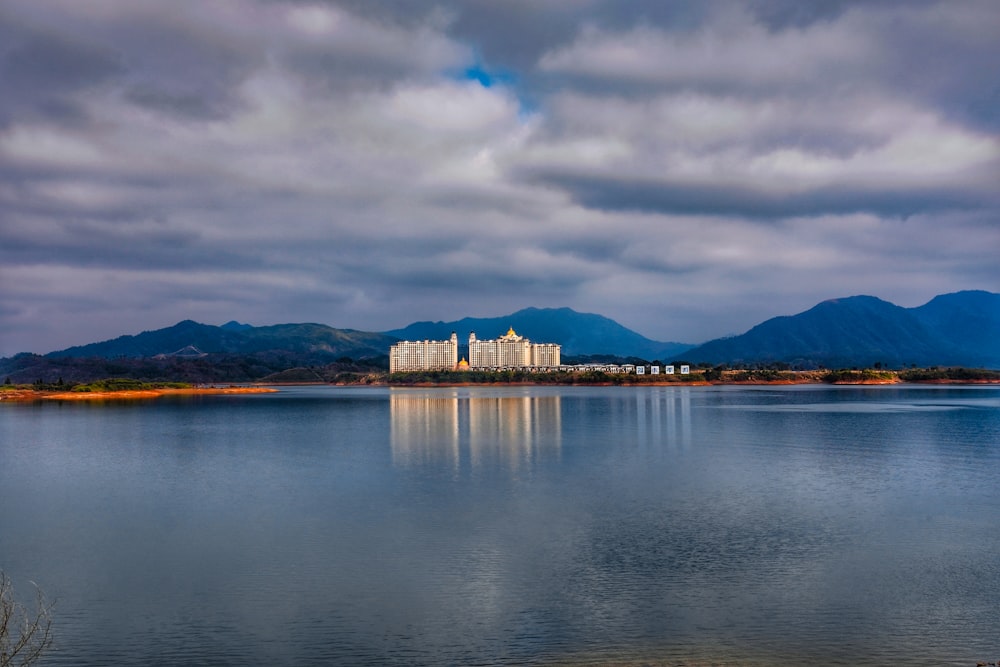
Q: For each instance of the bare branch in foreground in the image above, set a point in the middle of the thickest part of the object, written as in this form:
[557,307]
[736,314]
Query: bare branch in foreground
[24,634]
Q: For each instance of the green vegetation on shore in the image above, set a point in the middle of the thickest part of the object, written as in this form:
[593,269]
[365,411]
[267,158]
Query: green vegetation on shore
[127,384]
[211,369]
[949,374]
[107,385]
[865,375]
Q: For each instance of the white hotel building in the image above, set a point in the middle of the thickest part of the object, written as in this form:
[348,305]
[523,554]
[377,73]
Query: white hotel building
[512,351]
[424,355]
[507,351]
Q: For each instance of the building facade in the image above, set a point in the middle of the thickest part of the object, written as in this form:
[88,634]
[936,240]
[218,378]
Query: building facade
[424,355]
[546,355]
[512,351]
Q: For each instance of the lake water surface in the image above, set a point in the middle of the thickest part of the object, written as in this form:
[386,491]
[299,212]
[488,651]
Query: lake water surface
[512,525]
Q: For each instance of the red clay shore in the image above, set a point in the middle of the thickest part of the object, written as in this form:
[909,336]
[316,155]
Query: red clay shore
[34,395]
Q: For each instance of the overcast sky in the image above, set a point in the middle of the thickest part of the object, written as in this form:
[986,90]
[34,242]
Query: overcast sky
[686,168]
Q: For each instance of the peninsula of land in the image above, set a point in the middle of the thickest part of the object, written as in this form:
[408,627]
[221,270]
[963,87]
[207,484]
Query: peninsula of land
[38,394]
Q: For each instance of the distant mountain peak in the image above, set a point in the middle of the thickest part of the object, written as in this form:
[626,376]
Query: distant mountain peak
[233,325]
[855,299]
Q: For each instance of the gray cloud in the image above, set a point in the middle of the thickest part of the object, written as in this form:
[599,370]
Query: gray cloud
[57,62]
[609,193]
[39,73]
[689,168]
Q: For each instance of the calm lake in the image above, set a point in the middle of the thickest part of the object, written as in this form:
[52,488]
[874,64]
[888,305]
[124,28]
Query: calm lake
[512,526]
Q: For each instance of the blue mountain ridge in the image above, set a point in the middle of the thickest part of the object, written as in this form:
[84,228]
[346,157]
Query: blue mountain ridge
[962,328]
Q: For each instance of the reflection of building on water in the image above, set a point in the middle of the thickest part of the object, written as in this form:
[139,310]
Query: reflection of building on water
[423,428]
[457,430]
[664,417]
[512,431]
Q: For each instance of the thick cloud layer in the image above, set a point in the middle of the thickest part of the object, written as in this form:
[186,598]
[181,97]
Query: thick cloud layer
[687,168]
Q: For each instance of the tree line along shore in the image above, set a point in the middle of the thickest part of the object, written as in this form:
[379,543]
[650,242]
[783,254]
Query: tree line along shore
[125,388]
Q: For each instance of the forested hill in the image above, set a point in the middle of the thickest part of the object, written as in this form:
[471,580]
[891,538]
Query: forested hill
[961,329]
[190,338]
[578,333]
[202,353]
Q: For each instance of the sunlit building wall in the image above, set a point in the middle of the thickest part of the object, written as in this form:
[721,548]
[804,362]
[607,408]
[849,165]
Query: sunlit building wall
[424,355]
[545,354]
[511,351]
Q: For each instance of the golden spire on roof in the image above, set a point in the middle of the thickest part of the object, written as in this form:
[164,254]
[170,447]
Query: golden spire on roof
[510,332]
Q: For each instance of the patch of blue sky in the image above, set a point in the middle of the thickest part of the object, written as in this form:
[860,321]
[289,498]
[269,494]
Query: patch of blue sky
[489,77]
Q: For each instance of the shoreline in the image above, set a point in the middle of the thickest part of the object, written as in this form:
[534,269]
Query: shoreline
[29,395]
[22,395]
